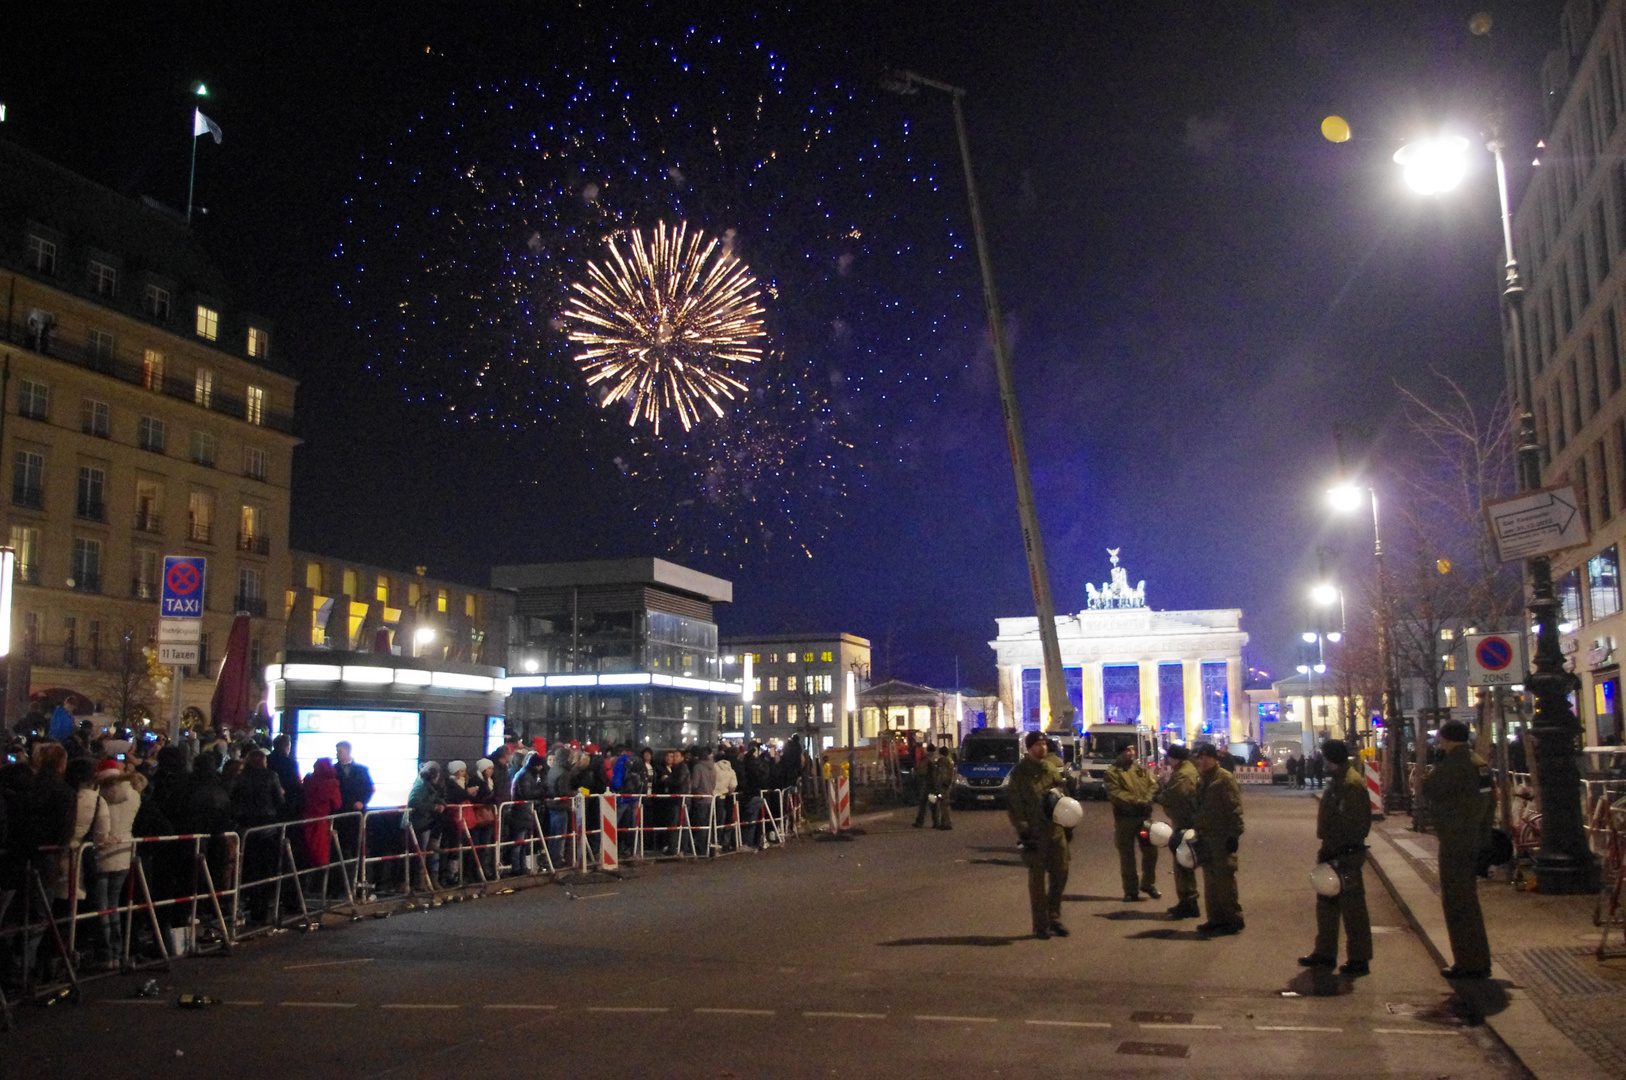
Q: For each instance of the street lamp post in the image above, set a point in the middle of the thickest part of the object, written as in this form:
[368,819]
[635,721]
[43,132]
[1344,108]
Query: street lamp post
[1061,709]
[1565,863]
[1325,595]
[1348,497]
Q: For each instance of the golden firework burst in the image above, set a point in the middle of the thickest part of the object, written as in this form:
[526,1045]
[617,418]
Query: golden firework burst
[666,321]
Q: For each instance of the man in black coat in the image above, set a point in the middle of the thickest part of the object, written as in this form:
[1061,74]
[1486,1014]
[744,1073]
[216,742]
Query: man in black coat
[753,774]
[283,764]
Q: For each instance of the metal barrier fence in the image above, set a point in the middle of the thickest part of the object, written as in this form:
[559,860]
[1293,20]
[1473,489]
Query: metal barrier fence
[198,893]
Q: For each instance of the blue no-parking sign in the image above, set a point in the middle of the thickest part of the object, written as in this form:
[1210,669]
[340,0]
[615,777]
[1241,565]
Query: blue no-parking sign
[182,595]
[1495,659]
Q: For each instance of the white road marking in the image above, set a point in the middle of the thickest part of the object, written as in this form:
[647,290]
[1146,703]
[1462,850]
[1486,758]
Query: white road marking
[1068,1023]
[1181,1027]
[737,1012]
[627,1009]
[421,1007]
[316,1004]
[325,963]
[1413,848]
[1293,1027]
[844,1016]
[960,1019]
[544,1007]
[1416,1031]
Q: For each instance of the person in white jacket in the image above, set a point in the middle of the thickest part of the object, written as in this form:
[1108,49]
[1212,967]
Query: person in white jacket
[727,782]
[113,832]
[90,813]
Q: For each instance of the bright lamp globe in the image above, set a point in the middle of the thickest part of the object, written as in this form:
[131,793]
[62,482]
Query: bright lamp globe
[1345,498]
[1432,166]
[1325,595]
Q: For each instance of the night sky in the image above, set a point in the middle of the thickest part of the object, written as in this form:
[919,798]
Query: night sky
[1198,286]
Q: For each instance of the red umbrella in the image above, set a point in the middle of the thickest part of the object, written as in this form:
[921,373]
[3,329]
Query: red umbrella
[230,710]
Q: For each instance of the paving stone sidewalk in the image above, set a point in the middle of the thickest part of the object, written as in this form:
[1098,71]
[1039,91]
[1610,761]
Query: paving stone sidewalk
[1543,947]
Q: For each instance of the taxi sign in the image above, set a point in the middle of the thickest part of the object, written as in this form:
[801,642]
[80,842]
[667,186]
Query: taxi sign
[1495,659]
[182,593]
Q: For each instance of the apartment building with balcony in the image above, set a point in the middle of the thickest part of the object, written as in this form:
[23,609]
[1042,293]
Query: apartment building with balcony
[146,413]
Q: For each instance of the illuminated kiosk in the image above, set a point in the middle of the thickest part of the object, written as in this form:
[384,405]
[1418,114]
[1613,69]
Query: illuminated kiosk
[1179,672]
[396,712]
[616,651]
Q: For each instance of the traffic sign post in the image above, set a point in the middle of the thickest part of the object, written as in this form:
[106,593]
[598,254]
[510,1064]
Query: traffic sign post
[180,624]
[1495,659]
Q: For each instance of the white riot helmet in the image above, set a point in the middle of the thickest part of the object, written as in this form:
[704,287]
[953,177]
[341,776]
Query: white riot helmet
[1325,880]
[1186,854]
[1160,833]
[1067,813]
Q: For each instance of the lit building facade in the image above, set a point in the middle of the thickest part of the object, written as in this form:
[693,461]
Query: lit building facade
[1178,672]
[1569,235]
[798,684]
[342,605]
[611,652]
[146,414]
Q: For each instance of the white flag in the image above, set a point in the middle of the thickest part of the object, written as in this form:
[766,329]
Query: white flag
[202,124]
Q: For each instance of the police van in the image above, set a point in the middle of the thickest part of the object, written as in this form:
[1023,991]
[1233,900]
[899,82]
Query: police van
[1099,748]
[982,775]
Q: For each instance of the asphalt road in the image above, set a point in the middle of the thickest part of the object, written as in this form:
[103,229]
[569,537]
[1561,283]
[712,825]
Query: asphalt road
[900,954]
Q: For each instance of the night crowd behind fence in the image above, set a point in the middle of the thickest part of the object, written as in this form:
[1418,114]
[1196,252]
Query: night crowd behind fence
[119,856]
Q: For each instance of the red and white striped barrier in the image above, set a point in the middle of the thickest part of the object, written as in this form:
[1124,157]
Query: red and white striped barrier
[609,841]
[1374,788]
[841,807]
[1253,774]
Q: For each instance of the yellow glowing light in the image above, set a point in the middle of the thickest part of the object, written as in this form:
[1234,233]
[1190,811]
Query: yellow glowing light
[1335,129]
[665,320]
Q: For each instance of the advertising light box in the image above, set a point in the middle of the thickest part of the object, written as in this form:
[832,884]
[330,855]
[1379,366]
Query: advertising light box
[384,741]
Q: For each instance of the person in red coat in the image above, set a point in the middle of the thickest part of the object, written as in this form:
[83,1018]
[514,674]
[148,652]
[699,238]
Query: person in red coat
[320,793]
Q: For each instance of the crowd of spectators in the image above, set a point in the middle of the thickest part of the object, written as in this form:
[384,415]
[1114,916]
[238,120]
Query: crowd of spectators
[71,809]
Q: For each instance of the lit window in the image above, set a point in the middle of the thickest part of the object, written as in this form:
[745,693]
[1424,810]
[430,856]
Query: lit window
[208,323]
[203,448]
[790,682]
[773,658]
[807,658]
[41,255]
[104,279]
[313,576]
[254,405]
[203,388]
[200,513]
[1448,635]
[99,343]
[440,600]
[94,417]
[1603,582]
[254,462]
[773,682]
[155,302]
[382,590]
[1450,695]
[826,657]
[259,342]
[1450,660]
[25,542]
[252,525]
[471,606]
[150,434]
[351,585]
[152,369]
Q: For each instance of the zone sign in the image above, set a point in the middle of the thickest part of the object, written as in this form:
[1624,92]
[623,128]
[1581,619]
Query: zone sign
[1495,659]
[182,594]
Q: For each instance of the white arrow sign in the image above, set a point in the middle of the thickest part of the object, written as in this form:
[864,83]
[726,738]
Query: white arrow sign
[1538,523]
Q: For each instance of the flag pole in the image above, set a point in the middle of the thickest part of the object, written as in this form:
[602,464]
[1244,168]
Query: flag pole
[192,176]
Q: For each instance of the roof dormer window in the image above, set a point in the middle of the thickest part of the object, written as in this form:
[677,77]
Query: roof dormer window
[41,254]
[103,279]
[208,323]
[259,343]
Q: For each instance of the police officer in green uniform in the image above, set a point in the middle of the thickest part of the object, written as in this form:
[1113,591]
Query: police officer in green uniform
[1179,800]
[1044,844]
[1458,792]
[1131,788]
[923,780]
[942,771]
[1342,825]
[1218,822]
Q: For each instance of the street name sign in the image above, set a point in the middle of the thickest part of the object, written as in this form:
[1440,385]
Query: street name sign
[1495,659]
[182,593]
[1536,523]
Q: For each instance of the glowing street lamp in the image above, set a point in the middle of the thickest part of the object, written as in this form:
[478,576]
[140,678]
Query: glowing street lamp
[1434,166]
[1325,594]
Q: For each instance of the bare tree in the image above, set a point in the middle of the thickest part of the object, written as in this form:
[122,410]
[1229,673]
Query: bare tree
[126,683]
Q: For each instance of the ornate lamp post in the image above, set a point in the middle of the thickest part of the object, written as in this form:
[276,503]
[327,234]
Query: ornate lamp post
[1565,863]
